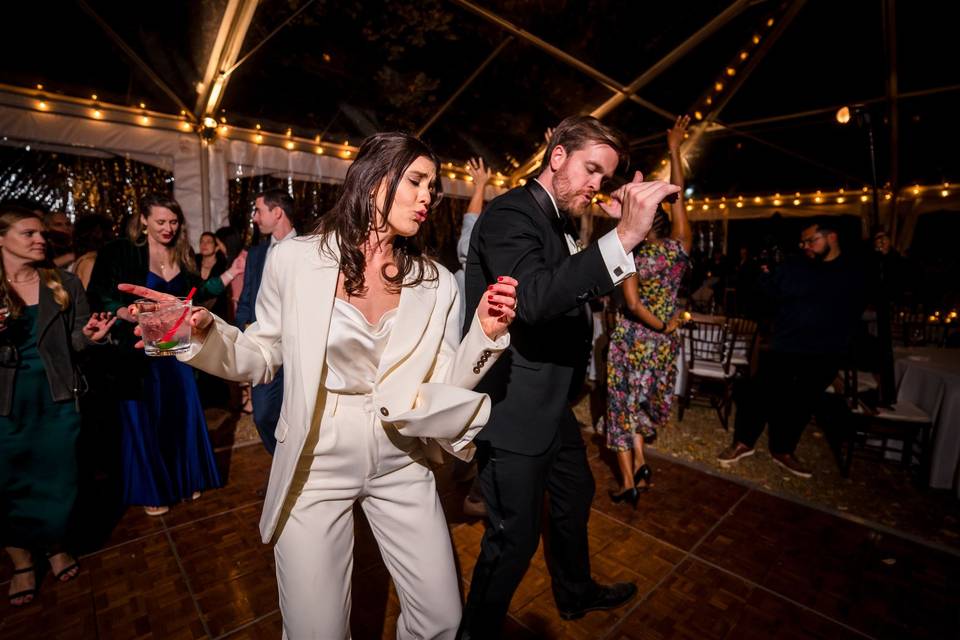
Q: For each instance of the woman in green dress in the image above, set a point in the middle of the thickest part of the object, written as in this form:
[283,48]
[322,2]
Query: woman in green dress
[44,321]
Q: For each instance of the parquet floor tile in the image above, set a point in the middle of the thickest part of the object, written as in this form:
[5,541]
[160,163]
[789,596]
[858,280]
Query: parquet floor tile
[700,602]
[711,558]
[232,574]
[139,592]
[683,505]
[268,628]
[244,472]
[874,582]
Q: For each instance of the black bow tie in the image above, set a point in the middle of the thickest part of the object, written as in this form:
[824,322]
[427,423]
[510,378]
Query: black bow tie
[565,224]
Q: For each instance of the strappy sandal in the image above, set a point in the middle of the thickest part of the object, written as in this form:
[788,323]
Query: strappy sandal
[64,574]
[26,593]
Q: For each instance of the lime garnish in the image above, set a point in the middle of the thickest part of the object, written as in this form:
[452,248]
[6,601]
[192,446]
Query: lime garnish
[166,344]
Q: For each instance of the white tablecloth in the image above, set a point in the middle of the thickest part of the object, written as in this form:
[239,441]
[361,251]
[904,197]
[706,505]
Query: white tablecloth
[929,377]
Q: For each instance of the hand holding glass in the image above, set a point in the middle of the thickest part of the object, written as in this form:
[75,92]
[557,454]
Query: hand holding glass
[162,325]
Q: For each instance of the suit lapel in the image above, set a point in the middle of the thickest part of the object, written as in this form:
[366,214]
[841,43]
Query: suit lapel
[413,315]
[558,223]
[316,284]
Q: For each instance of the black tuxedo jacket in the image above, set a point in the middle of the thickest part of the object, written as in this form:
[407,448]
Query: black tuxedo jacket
[520,235]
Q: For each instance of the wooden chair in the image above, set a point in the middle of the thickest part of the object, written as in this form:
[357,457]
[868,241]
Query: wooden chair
[898,433]
[709,372]
[744,333]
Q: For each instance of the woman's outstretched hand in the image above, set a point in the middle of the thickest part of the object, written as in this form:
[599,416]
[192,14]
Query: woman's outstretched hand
[200,319]
[498,307]
[98,326]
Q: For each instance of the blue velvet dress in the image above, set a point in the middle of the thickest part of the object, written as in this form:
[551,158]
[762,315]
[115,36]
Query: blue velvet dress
[167,453]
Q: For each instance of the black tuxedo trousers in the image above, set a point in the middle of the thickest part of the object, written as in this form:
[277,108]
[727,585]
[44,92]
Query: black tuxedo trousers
[514,488]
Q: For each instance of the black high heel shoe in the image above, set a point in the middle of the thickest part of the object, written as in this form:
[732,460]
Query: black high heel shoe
[644,473]
[630,495]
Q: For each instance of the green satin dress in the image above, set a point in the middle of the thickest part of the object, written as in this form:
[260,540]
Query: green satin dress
[38,462]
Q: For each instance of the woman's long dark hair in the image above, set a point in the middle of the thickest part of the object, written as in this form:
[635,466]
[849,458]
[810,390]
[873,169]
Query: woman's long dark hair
[381,156]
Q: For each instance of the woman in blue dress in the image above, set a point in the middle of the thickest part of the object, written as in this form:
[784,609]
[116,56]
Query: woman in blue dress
[166,452]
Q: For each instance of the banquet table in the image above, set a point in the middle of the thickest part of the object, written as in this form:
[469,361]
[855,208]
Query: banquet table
[929,377]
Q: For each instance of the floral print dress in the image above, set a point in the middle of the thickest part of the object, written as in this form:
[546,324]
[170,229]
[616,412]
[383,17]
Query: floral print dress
[642,364]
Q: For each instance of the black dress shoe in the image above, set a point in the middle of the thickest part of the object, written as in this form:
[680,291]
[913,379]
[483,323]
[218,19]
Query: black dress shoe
[603,597]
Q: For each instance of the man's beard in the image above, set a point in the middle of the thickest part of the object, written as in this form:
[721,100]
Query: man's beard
[821,256]
[568,200]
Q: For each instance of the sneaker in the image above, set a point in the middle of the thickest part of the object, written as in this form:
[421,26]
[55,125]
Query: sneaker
[789,462]
[733,453]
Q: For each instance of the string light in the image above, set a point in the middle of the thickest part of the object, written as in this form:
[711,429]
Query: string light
[796,202]
[98,114]
[452,175]
[42,105]
[290,145]
[718,86]
[864,198]
[743,55]
[731,71]
[258,138]
[841,200]
[319,151]
[756,39]
[39,87]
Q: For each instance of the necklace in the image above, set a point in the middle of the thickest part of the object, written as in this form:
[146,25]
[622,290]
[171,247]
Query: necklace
[36,276]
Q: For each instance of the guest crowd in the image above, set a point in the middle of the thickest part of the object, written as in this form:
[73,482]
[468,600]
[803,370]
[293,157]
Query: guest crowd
[362,360]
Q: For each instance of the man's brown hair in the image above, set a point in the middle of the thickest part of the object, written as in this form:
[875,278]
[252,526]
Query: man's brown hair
[576,132]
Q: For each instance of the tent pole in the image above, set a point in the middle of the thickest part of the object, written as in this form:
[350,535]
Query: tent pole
[651,73]
[466,83]
[237,17]
[707,30]
[204,150]
[890,33]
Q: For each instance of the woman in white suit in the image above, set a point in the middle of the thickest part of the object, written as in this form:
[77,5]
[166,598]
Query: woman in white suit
[366,328]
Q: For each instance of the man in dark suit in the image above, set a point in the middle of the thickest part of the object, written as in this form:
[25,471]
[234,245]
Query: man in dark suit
[531,445]
[274,216]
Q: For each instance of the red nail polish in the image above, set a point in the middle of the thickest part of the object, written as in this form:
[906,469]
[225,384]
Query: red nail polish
[490,288]
[499,278]
[489,298]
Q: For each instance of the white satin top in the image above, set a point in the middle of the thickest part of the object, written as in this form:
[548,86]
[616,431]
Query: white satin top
[354,349]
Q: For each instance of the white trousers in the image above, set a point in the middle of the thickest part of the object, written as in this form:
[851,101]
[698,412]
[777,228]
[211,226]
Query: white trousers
[356,458]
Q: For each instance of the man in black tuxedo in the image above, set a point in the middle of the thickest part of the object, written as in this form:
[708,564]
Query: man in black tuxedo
[531,445]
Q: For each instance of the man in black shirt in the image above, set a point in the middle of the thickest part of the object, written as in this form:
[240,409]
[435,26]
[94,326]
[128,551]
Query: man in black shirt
[819,299]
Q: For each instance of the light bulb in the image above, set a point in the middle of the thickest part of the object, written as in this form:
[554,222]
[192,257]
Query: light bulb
[843,115]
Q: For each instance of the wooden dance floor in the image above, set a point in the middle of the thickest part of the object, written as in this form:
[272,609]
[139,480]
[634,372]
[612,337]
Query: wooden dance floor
[712,558]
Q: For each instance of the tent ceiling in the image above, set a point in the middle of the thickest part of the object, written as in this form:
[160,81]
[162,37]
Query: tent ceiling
[346,68]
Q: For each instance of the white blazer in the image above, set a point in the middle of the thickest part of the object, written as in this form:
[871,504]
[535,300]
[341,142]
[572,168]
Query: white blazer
[424,382]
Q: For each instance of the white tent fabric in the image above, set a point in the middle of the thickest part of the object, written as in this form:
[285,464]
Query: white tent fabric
[182,153]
